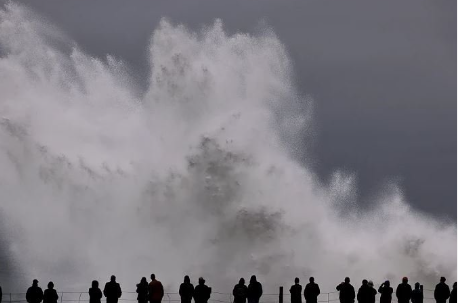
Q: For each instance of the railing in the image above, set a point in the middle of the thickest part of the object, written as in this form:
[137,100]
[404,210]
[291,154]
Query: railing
[216,297]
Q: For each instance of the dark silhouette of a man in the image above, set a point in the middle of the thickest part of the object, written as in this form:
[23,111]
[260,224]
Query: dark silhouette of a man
[155,290]
[112,290]
[364,292]
[386,292]
[346,291]
[442,291]
[202,292]
[95,294]
[1,294]
[404,291]
[254,290]
[240,292]
[296,292]
[311,291]
[142,291]
[50,294]
[34,293]
[186,290]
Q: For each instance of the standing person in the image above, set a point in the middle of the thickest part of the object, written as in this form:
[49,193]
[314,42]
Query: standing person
[417,294]
[95,294]
[296,292]
[34,293]
[364,292]
[50,295]
[453,294]
[240,292]
[386,292]
[155,290]
[1,294]
[346,291]
[442,291]
[142,291]
[372,292]
[311,291]
[112,290]
[404,291]
[254,290]
[202,292]
[186,290]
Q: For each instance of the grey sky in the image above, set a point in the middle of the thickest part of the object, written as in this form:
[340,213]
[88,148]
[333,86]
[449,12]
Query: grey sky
[382,73]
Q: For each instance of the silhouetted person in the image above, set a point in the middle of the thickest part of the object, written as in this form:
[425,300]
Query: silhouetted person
[417,294]
[34,293]
[346,291]
[112,290]
[296,292]
[453,294]
[95,294]
[311,291]
[142,291]
[372,293]
[386,292]
[254,290]
[155,290]
[202,292]
[404,291]
[442,291]
[186,290]
[240,292]
[50,294]
[1,294]
[364,292]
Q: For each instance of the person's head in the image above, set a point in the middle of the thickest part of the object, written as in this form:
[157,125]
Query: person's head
[312,279]
[253,279]
[113,278]
[454,285]
[50,285]
[296,280]
[143,280]
[35,282]
[347,280]
[417,285]
[443,279]
[95,284]
[201,281]
[364,282]
[405,280]
[186,279]
[242,281]
[153,277]
[370,283]
[387,283]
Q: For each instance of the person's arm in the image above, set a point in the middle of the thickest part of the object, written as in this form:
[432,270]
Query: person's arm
[105,290]
[436,292]
[318,292]
[339,286]
[119,290]
[353,294]
[100,294]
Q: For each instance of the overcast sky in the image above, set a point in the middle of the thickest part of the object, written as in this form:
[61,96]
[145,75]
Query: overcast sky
[382,74]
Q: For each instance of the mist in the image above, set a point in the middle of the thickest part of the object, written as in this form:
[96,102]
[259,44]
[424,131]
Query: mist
[197,174]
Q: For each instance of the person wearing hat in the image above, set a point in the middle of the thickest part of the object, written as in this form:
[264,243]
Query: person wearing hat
[50,295]
[386,292]
[442,291]
[202,292]
[404,291]
[34,293]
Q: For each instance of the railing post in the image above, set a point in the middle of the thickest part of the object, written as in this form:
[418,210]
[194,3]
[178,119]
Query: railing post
[79,298]
[328,297]
[61,297]
[10,297]
[280,296]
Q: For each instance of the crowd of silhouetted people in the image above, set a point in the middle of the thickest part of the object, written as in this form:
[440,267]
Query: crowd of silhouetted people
[153,292]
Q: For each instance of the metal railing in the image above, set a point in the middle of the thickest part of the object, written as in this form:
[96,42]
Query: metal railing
[216,297]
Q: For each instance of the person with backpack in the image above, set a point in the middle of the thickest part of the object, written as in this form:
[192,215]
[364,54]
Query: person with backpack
[95,294]
[240,292]
[296,292]
[186,290]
